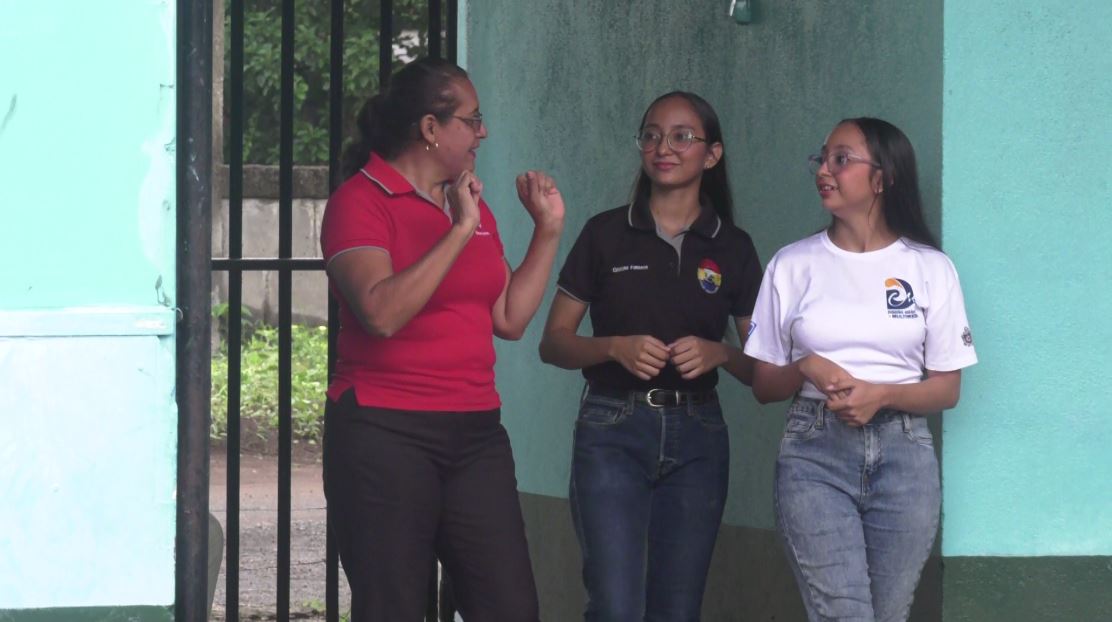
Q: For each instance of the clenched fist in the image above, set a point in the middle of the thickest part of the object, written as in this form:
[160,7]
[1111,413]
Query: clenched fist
[538,193]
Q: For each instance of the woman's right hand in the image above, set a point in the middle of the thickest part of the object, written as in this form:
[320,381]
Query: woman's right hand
[823,372]
[463,201]
[641,355]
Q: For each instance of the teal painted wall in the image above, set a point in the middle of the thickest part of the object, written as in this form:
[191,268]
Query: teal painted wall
[564,84]
[86,146]
[1027,213]
[88,453]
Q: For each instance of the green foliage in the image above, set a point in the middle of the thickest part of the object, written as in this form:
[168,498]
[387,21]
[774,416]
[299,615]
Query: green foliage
[259,388]
[317,607]
[262,34]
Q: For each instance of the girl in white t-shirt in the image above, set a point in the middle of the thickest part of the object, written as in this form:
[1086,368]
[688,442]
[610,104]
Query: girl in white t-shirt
[864,323]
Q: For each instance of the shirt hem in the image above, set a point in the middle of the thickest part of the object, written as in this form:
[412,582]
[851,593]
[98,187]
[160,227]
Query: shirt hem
[421,404]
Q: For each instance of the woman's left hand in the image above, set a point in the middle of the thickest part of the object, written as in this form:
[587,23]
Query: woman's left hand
[541,198]
[694,356]
[855,401]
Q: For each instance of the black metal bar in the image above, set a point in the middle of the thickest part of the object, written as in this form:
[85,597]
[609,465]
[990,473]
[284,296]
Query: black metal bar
[194,247]
[385,42]
[331,552]
[285,305]
[435,28]
[267,263]
[336,94]
[447,598]
[335,145]
[453,31]
[234,342]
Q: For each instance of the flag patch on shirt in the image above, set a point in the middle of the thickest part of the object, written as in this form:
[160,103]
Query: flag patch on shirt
[710,276]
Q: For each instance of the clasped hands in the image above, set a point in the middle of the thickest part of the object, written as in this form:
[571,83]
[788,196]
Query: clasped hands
[853,401]
[644,356]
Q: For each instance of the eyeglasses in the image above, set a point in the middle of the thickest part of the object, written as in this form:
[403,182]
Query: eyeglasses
[474,122]
[678,140]
[836,161]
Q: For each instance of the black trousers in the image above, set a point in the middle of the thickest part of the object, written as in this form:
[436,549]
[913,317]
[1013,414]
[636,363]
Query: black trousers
[407,487]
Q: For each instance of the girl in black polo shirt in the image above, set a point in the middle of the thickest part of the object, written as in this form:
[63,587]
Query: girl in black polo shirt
[661,277]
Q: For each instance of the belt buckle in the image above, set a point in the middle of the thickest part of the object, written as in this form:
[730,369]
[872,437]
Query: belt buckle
[650,397]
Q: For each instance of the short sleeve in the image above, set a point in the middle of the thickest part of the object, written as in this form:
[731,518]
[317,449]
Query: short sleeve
[579,276]
[769,330]
[949,342]
[746,296]
[354,219]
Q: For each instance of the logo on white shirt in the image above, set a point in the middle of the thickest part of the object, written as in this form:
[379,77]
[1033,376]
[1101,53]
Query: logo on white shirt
[900,299]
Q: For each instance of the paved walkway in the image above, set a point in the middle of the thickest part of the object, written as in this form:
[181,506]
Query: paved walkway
[259,536]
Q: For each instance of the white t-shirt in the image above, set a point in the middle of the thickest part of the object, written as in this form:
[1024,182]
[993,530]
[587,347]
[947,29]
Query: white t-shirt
[884,316]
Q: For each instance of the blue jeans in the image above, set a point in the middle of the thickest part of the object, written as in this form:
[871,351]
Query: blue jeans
[648,487]
[858,509]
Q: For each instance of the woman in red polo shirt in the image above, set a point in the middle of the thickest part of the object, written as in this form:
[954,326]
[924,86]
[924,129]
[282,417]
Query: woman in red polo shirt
[417,465]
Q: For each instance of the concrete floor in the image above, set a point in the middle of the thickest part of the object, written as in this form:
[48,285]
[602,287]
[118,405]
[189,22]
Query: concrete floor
[259,535]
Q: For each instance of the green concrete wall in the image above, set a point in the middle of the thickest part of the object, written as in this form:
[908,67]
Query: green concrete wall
[1027,140]
[564,85]
[87,456]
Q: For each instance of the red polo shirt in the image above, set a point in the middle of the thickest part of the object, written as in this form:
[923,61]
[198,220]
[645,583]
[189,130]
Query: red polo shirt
[443,359]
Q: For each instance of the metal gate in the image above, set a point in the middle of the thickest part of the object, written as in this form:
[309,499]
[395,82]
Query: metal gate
[195,267]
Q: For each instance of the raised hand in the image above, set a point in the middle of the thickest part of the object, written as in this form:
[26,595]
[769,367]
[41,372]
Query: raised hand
[538,193]
[694,356]
[642,355]
[463,200]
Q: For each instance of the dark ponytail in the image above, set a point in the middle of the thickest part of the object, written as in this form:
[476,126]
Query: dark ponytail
[387,122]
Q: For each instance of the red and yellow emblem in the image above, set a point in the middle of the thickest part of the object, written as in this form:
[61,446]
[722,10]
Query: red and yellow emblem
[710,276]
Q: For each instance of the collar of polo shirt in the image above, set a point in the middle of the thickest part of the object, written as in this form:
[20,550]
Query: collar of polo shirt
[385,176]
[393,182]
[707,224]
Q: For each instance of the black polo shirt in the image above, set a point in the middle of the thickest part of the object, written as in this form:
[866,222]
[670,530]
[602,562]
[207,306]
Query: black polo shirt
[636,283]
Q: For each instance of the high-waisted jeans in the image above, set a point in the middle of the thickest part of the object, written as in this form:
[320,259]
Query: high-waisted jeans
[648,487]
[858,510]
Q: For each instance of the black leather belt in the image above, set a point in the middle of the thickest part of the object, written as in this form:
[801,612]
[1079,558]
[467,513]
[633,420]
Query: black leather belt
[658,398]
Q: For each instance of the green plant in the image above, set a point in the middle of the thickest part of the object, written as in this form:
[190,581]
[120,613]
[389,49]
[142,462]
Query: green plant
[259,383]
[262,65]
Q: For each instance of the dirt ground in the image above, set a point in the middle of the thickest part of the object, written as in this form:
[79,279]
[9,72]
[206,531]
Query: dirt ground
[258,575]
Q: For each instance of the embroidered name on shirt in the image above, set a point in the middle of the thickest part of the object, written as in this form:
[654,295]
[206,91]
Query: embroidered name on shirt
[629,267]
[900,299]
